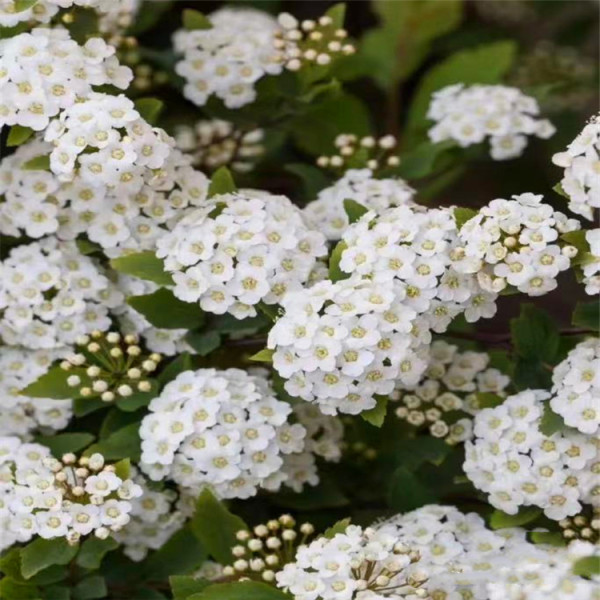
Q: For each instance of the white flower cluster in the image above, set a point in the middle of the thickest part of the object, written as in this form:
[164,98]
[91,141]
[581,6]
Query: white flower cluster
[327,213]
[505,115]
[21,415]
[238,250]
[223,429]
[358,564]
[581,162]
[40,495]
[229,58]
[155,516]
[50,294]
[464,559]
[215,143]
[513,462]
[591,267]
[45,72]
[105,141]
[576,390]
[516,242]
[448,390]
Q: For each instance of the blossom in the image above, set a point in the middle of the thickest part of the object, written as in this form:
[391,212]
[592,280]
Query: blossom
[591,266]
[581,179]
[469,115]
[238,250]
[45,72]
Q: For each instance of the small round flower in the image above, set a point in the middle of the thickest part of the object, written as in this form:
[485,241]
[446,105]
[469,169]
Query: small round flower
[238,250]
[327,213]
[469,115]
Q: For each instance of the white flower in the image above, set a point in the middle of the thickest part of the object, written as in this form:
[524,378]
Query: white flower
[581,162]
[591,266]
[469,115]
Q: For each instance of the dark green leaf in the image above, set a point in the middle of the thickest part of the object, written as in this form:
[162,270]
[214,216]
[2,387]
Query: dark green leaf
[10,563]
[162,309]
[11,589]
[339,527]
[85,406]
[406,492]
[62,443]
[181,364]
[148,16]
[144,265]
[124,443]
[203,342]
[194,19]
[18,135]
[527,514]
[535,335]
[462,215]
[412,453]
[354,210]
[264,355]
[551,538]
[335,273]
[488,400]
[313,179]
[41,554]
[183,586]
[240,590]
[422,161]
[221,183]
[531,374]
[587,315]
[139,399]
[215,527]
[550,422]
[93,550]
[326,494]
[149,109]
[54,384]
[90,588]
[376,415]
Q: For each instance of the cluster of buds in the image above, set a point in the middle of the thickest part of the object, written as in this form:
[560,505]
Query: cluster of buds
[110,366]
[272,546]
[376,154]
[310,42]
[582,527]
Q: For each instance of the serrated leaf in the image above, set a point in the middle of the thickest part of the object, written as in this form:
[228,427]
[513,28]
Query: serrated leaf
[376,415]
[502,520]
[18,135]
[535,335]
[144,265]
[165,311]
[354,210]
[339,527]
[93,550]
[462,215]
[62,443]
[53,384]
[264,355]
[587,315]
[203,342]
[240,590]
[221,183]
[183,586]
[124,443]
[335,273]
[41,554]
[37,163]
[550,422]
[194,20]
[149,109]
[215,527]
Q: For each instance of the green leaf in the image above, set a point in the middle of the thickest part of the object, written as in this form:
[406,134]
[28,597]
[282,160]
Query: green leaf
[337,13]
[488,400]
[215,527]
[145,265]
[339,527]
[203,342]
[587,567]
[10,563]
[587,315]
[335,273]
[551,538]
[181,364]
[18,135]
[93,550]
[37,163]
[148,16]
[406,492]
[53,574]
[124,443]
[138,399]
[123,468]
[327,494]
[354,210]
[149,109]
[422,161]
[12,589]
[194,19]
[558,188]
[21,5]
[90,588]
[62,443]
[531,374]
[484,64]
[376,415]
[54,384]
[85,406]
[221,183]
[413,452]
[550,422]
[462,215]
[41,554]
[183,586]
[535,335]
[264,355]
[162,309]
[313,179]
[527,514]
[240,590]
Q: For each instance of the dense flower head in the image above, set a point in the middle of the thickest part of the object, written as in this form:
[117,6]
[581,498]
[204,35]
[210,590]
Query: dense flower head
[515,464]
[465,559]
[469,115]
[516,242]
[238,250]
[341,344]
[358,564]
[327,213]
[106,143]
[576,389]
[581,162]
[38,203]
[591,266]
[445,398]
[229,58]
[20,414]
[50,294]
[216,143]
[41,495]
[45,72]
[222,429]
